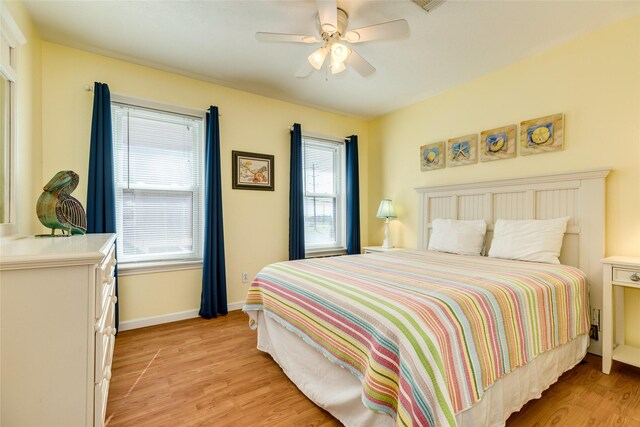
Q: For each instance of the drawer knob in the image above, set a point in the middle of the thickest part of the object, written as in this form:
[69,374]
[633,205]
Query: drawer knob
[635,277]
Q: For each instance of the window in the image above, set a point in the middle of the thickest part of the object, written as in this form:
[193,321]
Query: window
[6,146]
[324,188]
[159,175]
[10,38]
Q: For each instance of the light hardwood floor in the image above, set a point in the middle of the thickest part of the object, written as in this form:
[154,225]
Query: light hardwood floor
[208,373]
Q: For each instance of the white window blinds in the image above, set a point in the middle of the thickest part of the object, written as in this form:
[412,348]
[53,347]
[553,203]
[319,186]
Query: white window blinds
[324,207]
[158,173]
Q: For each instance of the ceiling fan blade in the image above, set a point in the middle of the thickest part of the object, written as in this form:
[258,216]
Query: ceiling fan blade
[328,14]
[287,38]
[359,64]
[386,30]
[305,71]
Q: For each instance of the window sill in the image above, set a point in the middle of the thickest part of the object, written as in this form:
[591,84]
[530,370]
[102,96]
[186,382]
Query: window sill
[321,253]
[134,268]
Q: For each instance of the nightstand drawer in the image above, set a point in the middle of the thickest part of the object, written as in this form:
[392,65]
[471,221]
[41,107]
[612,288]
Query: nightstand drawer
[626,275]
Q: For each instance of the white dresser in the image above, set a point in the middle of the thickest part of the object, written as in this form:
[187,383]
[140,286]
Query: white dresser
[56,330]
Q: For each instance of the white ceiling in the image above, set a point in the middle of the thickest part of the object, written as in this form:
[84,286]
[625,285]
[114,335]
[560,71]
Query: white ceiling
[215,41]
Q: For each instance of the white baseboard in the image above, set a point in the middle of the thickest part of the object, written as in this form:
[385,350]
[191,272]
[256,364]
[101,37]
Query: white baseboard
[235,306]
[143,322]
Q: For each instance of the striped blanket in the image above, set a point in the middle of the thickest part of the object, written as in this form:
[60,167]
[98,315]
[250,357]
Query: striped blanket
[426,333]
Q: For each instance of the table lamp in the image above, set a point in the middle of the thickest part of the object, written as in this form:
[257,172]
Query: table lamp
[386,211]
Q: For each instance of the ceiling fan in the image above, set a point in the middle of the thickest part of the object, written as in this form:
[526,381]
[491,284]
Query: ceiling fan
[332,27]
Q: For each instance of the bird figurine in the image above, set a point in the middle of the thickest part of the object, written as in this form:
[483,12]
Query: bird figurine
[57,209]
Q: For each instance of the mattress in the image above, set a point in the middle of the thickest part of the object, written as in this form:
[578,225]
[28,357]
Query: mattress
[425,334]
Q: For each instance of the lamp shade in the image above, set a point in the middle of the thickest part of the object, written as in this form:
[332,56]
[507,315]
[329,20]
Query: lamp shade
[386,209]
[316,59]
[336,67]
[339,52]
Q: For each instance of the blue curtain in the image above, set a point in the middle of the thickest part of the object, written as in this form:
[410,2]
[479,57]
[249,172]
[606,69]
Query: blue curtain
[296,197]
[101,191]
[353,196]
[214,278]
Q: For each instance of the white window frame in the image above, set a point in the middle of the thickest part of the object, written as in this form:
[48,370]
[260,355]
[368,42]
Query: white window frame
[10,38]
[127,268]
[338,144]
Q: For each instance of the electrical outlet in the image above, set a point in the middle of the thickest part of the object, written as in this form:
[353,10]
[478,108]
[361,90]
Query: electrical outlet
[595,317]
[245,277]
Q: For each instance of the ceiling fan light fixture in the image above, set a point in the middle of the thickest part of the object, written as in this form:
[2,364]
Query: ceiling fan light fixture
[336,66]
[316,59]
[352,36]
[338,69]
[339,52]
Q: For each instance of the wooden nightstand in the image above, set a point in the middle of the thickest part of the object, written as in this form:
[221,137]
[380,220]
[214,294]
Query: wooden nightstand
[618,273]
[374,249]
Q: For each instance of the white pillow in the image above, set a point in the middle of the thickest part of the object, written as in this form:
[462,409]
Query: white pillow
[457,236]
[529,240]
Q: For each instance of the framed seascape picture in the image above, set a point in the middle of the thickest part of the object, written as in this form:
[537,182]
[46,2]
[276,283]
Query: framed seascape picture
[432,156]
[498,143]
[463,150]
[542,135]
[252,171]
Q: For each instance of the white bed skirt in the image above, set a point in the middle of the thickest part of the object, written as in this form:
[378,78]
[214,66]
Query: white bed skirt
[339,392]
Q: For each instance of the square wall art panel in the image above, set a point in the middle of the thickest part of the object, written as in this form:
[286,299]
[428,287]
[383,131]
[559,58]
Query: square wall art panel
[542,135]
[252,171]
[432,156]
[498,143]
[462,151]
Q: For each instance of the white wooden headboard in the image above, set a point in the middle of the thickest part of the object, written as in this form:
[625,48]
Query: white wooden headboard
[579,195]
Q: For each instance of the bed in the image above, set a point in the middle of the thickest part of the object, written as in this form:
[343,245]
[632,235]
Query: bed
[418,337]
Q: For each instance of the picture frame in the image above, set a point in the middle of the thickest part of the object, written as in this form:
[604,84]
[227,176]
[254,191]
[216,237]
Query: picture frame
[542,135]
[498,143]
[252,171]
[432,156]
[462,150]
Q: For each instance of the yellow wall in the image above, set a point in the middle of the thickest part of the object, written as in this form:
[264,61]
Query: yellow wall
[255,222]
[28,113]
[594,80]
[147,295]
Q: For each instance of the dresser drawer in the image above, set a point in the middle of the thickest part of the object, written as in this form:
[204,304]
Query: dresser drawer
[105,340]
[104,344]
[107,266]
[626,275]
[108,297]
[101,394]
[105,282]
